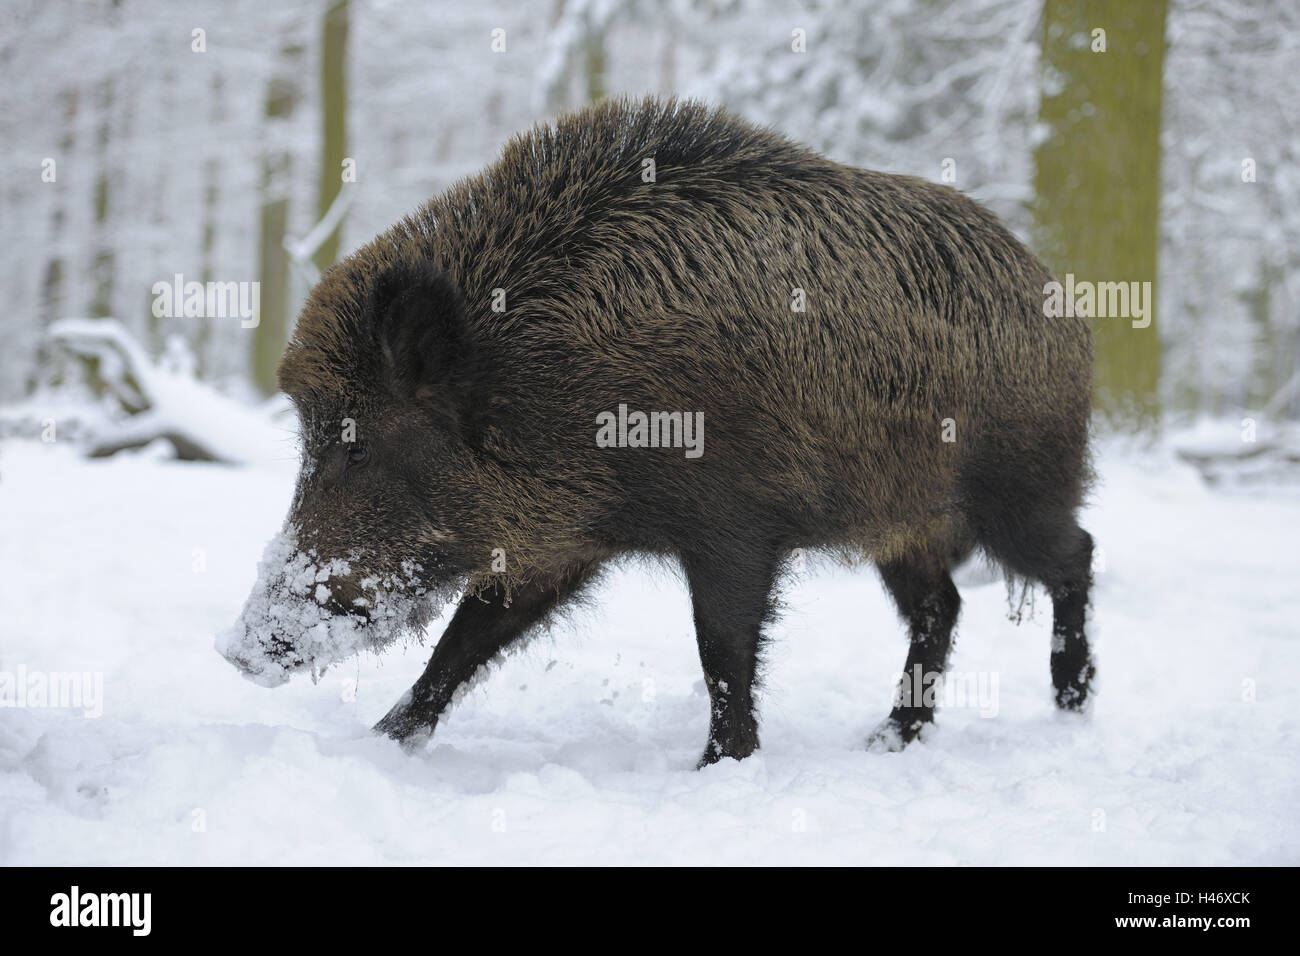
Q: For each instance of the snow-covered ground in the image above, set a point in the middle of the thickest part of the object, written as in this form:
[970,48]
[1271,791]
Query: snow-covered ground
[581,748]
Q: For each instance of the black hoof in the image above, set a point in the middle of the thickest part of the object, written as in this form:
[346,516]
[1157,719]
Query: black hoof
[737,747]
[405,725]
[1073,694]
[897,731]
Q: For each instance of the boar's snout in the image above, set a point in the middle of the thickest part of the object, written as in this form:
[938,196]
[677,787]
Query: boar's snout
[306,613]
[283,636]
[274,657]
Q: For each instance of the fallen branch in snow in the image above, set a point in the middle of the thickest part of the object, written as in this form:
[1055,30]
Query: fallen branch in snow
[162,402]
[1228,453]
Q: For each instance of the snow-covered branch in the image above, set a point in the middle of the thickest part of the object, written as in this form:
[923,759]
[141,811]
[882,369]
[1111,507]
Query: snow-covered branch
[164,400]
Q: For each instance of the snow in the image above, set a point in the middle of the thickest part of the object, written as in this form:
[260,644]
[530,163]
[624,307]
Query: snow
[580,748]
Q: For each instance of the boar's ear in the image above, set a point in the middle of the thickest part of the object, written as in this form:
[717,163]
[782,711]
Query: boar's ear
[423,334]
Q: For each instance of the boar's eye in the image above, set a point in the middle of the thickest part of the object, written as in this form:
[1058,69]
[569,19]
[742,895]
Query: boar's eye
[358,454]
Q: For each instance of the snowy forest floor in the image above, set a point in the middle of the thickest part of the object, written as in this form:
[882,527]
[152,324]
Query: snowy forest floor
[581,748]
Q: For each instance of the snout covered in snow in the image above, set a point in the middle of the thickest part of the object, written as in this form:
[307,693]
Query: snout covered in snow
[306,613]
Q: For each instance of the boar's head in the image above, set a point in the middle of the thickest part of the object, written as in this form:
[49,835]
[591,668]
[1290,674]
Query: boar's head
[381,368]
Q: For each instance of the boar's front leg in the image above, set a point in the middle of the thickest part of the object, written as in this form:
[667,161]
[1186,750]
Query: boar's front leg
[731,599]
[484,625]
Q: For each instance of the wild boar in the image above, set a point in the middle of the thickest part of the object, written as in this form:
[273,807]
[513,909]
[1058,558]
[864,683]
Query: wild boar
[654,328]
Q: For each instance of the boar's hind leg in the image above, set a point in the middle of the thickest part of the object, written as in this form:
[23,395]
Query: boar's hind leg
[1048,546]
[1072,667]
[1064,564]
[731,600]
[928,601]
[484,624]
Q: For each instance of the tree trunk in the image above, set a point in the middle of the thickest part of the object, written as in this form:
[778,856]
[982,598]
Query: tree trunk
[1098,179]
[333,81]
[594,65]
[202,336]
[271,331]
[102,264]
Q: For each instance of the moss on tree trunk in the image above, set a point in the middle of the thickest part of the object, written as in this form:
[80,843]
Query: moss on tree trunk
[1098,178]
[333,122]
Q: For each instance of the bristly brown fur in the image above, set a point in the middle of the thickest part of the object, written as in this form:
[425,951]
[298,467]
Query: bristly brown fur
[677,295]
